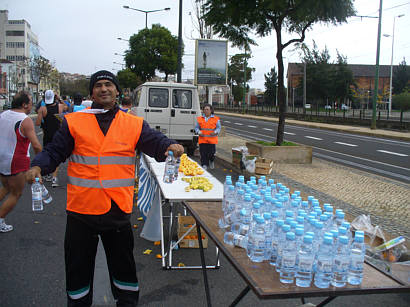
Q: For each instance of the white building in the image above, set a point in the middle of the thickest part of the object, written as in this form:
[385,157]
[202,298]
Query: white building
[19,45]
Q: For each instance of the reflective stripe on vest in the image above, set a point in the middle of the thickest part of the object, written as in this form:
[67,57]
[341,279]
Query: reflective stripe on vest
[207,127]
[101,167]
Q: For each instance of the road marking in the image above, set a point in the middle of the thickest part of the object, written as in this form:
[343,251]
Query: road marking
[290,133]
[239,124]
[250,126]
[313,138]
[227,121]
[346,144]
[393,153]
[268,129]
[363,166]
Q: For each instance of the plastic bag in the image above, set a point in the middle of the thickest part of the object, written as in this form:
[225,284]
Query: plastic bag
[249,164]
[362,222]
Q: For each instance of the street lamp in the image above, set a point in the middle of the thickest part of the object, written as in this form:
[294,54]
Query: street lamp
[122,39]
[391,62]
[146,12]
[119,54]
[122,65]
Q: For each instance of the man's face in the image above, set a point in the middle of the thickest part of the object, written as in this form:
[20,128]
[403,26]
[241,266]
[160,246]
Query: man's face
[105,93]
[207,111]
[28,106]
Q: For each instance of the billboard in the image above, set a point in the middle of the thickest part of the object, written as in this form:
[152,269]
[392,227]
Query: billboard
[211,65]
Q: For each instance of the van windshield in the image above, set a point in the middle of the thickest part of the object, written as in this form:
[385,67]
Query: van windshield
[182,99]
[158,98]
[136,98]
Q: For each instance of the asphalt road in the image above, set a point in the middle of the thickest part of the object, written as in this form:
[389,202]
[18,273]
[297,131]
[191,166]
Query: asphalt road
[389,158]
[32,266]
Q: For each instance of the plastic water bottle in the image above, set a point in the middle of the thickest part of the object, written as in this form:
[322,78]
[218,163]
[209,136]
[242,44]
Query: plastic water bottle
[341,262]
[177,162]
[45,195]
[288,265]
[169,168]
[324,264]
[305,259]
[357,252]
[235,239]
[275,241]
[282,241]
[258,240]
[36,196]
[227,207]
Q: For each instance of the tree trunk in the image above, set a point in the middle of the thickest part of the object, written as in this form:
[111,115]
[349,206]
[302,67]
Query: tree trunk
[281,90]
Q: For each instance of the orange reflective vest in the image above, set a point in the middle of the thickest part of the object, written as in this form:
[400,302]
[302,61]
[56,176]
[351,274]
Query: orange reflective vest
[102,168]
[207,127]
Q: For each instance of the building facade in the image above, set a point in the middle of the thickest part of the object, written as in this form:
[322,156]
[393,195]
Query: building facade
[19,45]
[364,77]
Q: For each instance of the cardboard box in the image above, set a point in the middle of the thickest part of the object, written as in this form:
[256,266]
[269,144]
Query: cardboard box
[263,166]
[191,239]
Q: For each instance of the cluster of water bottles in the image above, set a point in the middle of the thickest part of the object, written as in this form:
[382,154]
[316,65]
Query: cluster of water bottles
[171,168]
[301,240]
[39,195]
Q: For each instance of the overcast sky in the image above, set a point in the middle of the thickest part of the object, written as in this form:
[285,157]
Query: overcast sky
[81,36]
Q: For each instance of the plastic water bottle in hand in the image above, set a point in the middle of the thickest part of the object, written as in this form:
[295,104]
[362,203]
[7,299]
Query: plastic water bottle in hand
[36,196]
[169,168]
[45,195]
[177,162]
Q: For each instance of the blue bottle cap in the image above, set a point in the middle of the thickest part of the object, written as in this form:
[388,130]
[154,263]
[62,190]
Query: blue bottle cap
[323,217]
[310,233]
[280,223]
[328,240]
[295,204]
[288,220]
[289,213]
[299,232]
[343,240]
[293,224]
[231,188]
[256,205]
[300,219]
[290,236]
[285,228]
[346,225]
[359,239]
[342,230]
[271,181]
[319,225]
[310,198]
[307,239]
[274,214]
[242,212]
[247,197]
[335,233]
[297,193]
[267,216]
[340,215]
[260,220]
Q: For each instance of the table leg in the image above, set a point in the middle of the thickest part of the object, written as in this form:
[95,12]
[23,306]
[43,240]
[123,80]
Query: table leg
[162,235]
[240,296]
[328,300]
[201,252]
[171,216]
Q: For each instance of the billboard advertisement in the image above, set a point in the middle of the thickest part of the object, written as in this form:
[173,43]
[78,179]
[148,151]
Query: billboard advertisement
[211,65]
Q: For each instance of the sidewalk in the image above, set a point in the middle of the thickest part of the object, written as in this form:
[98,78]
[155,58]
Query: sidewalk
[356,192]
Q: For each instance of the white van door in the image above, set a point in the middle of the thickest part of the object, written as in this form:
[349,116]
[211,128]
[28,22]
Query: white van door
[183,116]
[158,109]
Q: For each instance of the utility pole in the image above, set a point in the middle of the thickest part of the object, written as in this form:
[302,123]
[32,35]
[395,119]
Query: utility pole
[304,88]
[244,80]
[376,81]
[179,64]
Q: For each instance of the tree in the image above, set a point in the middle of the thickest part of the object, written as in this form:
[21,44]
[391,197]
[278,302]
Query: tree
[236,19]
[71,87]
[342,80]
[402,101]
[199,23]
[271,86]
[236,74]
[40,68]
[150,50]
[401,78]
[128,79]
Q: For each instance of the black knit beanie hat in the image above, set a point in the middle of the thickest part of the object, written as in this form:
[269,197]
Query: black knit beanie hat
[103,75]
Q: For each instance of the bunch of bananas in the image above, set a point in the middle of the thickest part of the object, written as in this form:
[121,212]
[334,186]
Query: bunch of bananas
[198,183]
[188,167]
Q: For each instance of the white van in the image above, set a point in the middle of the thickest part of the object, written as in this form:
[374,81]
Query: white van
[171,108]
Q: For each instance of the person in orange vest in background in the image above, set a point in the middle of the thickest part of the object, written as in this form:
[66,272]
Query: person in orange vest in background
[126,105]
[100,144]
[207,127]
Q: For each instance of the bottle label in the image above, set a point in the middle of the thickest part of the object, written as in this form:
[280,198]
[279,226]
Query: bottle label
[36,196]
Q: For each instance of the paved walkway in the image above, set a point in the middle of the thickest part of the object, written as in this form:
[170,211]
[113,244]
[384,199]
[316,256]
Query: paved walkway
[387,201]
